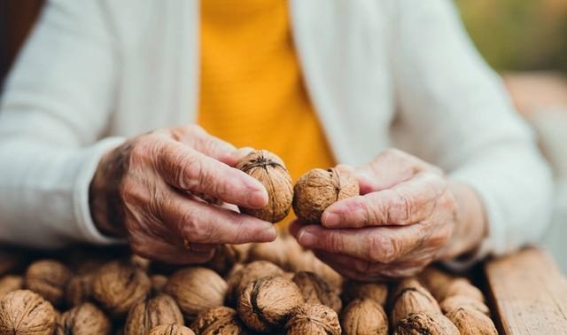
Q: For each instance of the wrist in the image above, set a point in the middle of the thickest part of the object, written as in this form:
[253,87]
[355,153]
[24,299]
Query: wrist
[104,200]
[470,226]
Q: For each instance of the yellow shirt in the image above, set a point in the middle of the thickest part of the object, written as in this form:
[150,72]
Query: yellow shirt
[252,91]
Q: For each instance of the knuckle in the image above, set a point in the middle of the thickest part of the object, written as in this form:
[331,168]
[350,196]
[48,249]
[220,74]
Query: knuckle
[334,243]
[379,249]
[400,209]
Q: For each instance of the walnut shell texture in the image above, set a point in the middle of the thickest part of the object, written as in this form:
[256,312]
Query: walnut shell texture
[273,252]
[270,170]
[85,319]
[410,297]
[318,189]
[457,301]
[462,287]
[309,262]
[196,289]
[49,279]
[226,256]
[172,329]
[24,312]
[219,320]
[426,323]
[364,316]
[151,312]
[470,321]
[118,285]
[435,281]
[316,290]
[10,283]
[265,304]
[238,279]
[314,319]
[365,290]
[79,289]
[158,282]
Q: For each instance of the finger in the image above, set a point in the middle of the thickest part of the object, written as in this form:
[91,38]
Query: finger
[187,169]
[407,203]
[198,222]
[198,138]
[201,247]
[168,253]
[382,244]
[388,169]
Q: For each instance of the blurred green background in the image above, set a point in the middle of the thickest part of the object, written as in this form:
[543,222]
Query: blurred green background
[518,34]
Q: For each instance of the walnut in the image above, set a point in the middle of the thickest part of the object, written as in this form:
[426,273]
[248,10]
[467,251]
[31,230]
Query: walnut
[118,285]
[365,290]
[238,279]
[26,312]
[309,262]
[195,290]
[10,283]
[273,252]
[318,189]
[150,312]
[316,290]
[84,319]
[462,287]
[140,262]
[79,289]
[470,321]
[270,170]
[226,256]
[172,329]
[49,279]
[314,319]
[265,304]
[426,323]
[435,281]
[158,282]
[457,301]
[364,316]
[218,320]
[410,297]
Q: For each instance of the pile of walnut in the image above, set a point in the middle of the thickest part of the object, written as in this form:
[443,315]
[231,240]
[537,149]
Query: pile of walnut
[271,288]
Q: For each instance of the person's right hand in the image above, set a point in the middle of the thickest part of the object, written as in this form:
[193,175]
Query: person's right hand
[151,190]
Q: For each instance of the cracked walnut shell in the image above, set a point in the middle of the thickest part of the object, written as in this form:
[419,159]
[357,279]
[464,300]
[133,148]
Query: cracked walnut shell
[313,319]
[266,303]
[318,189]
[26,312]
[270,170]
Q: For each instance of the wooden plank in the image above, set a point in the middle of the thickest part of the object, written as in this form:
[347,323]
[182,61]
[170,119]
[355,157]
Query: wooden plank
[529,293]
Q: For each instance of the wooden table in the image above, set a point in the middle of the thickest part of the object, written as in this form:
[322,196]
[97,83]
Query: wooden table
[528,293]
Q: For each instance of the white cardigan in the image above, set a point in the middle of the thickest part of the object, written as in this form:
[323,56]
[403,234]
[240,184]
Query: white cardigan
[380,73]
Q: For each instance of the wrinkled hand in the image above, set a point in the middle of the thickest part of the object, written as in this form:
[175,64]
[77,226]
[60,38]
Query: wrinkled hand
[151,190]
[406,217]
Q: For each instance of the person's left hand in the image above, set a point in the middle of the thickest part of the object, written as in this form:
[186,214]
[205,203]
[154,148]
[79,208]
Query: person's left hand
[404,219]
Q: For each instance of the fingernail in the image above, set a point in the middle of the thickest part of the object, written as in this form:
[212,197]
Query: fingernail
[258,199]
[269,233]
[305,238]
[330,219]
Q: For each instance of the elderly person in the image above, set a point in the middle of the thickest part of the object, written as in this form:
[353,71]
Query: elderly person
[100,138]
